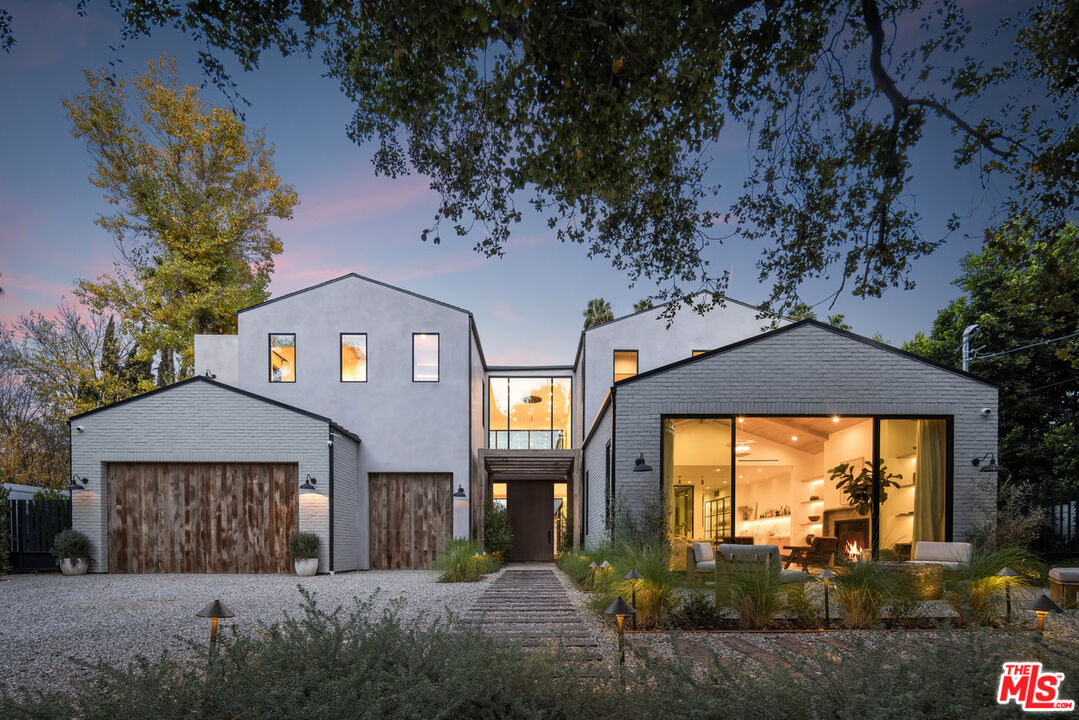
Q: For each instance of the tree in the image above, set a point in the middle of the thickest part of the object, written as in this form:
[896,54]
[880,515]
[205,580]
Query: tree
[597,313]
[1022,290]
[601,115]
[839,321]
[640,305]
[801,311]
[194,194]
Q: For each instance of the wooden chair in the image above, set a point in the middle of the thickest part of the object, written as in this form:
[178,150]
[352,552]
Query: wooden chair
[820,552]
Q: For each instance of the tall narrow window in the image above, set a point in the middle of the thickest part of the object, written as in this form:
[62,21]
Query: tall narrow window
[425,357]
[282,357]
[353,357]
[625,364]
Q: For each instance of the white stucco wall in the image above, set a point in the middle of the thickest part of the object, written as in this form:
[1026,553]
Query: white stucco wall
[218,355]
[656,344]
[807,370]
[405,426]
[196,421]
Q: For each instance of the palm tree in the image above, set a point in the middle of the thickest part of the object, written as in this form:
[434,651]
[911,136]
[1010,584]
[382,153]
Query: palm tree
[640,305]
[801,311]
[839,321]
[597,313]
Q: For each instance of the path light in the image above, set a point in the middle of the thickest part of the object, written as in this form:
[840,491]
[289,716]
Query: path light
[592,575]
[639,465]
[620,609]
[605,566]
[824,576]
[1007,573]
[633,576]
[1042,606]
[215,611]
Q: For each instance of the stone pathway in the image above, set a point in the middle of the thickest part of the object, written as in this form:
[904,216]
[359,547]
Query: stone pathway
[530,607]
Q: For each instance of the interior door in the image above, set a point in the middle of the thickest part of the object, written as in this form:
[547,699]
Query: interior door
[531,507]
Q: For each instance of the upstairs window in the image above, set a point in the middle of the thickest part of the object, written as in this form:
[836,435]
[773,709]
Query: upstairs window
[353,357]
[699,352]
[425,357]
[625,364]
[282,357]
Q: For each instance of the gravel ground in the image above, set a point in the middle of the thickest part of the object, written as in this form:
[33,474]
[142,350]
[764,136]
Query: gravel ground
[47,619]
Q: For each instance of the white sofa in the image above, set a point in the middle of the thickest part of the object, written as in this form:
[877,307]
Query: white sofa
[949,555]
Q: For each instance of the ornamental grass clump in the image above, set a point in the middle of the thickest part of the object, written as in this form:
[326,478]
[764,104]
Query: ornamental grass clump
[463,562]
[861,589]
[755,595]
[977,592]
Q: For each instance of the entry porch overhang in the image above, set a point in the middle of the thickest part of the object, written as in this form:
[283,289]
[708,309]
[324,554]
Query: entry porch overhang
[556,465]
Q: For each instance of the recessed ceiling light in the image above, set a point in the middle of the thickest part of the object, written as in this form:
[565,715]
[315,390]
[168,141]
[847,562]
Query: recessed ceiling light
[835,418]
[760,470]
[794,438]
[741,419]
[741,476]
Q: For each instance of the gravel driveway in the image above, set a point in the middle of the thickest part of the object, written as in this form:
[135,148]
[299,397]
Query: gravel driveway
[46,619]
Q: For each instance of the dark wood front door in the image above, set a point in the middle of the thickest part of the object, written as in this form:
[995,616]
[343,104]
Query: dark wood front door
[531,507]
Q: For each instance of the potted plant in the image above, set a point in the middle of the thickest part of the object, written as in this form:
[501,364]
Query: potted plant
[859,488]
[303,546]
[73,550]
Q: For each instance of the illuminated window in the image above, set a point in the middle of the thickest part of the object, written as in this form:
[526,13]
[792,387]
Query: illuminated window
[625,364]
[529,413]
[353,357]
[425,357]
[699,352]
[282,358]
[498,494]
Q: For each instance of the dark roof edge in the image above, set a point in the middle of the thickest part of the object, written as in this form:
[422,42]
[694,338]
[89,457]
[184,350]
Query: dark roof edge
[815,323]
[215,383]
[359,277]
[599,417]
[476,335]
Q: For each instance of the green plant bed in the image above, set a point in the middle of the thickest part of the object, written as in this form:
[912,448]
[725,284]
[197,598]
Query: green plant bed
[462,561]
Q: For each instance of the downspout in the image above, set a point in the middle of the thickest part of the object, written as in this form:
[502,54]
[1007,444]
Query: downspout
[331,449]
[969,332]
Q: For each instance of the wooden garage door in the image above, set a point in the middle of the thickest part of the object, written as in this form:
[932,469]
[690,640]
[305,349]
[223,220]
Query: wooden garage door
[201,517]
[411,519]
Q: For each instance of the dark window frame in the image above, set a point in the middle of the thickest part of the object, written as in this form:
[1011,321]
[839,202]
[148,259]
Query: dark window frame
[269,358]
[438,358]
[567,440]
[695,353]
[341,359]
[949,475]
[636,362]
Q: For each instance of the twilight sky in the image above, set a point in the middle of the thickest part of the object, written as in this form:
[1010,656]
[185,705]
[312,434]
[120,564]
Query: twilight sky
[527,305]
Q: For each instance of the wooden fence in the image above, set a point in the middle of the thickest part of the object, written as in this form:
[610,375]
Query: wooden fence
[34,524]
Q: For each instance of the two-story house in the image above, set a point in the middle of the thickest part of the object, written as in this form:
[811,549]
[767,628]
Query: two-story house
[368,415]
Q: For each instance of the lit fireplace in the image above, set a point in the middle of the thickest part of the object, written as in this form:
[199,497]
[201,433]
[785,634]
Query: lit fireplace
[854,552]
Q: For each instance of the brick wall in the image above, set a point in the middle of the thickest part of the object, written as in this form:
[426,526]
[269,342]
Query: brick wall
[350,551]
[807,370]
[197,422]
[594,463]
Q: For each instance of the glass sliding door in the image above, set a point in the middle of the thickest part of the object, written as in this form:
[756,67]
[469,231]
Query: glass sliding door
[915,456]
[697,480]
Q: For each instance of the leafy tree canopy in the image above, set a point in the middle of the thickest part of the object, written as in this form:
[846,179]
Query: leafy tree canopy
[195,193]
[602,115]
[1022,290]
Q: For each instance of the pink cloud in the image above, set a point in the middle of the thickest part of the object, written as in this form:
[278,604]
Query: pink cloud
[433,269]
[346,202]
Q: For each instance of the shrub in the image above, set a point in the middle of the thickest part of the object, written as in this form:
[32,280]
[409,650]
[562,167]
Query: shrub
[1016,520]
[860,589]
[303,545]
[755,595]
[576,568]
[642,525]
[977,593]
[801,607]
[697,611]
[497,533]
[462,562]
[71,544]
[5,530]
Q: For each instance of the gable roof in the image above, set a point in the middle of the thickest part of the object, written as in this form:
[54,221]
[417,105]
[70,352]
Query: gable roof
[802,323]
[223,386]
[355,276]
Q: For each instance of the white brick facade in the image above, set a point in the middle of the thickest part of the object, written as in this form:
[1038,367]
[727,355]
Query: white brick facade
[805,369]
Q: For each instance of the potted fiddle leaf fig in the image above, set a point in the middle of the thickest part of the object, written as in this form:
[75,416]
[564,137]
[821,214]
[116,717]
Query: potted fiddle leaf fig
[72,548]
[859,488]
[303,546]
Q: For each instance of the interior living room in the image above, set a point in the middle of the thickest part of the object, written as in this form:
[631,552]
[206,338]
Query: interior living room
[769,481]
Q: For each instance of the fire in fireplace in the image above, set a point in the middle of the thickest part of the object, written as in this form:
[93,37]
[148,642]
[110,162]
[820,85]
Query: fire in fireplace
[853,536]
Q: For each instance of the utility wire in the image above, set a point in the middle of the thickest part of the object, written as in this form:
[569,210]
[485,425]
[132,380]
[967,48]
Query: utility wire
[1025,347]
[1043,387]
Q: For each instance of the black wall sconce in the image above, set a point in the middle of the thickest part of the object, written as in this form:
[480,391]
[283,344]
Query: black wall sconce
[77,482]
[639,465]
[308,484]
[990,466]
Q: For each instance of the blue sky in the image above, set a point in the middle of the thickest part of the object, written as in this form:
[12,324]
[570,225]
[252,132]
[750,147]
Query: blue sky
[527,305]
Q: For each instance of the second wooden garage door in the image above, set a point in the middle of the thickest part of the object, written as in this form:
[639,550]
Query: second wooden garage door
[411,519]
[201,517]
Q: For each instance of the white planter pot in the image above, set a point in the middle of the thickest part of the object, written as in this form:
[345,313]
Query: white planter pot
[74,566]
[306,567]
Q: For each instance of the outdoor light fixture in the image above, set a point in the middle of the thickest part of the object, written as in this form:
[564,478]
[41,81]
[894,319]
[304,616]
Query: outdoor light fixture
[639,465]
[824,576]
[308,484]
[990,466]
[460,492]
[605,566]
[592,575]
[620,609]
[1042,606]
[215,611]
[1007,573]
[77,482]
[633,576]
